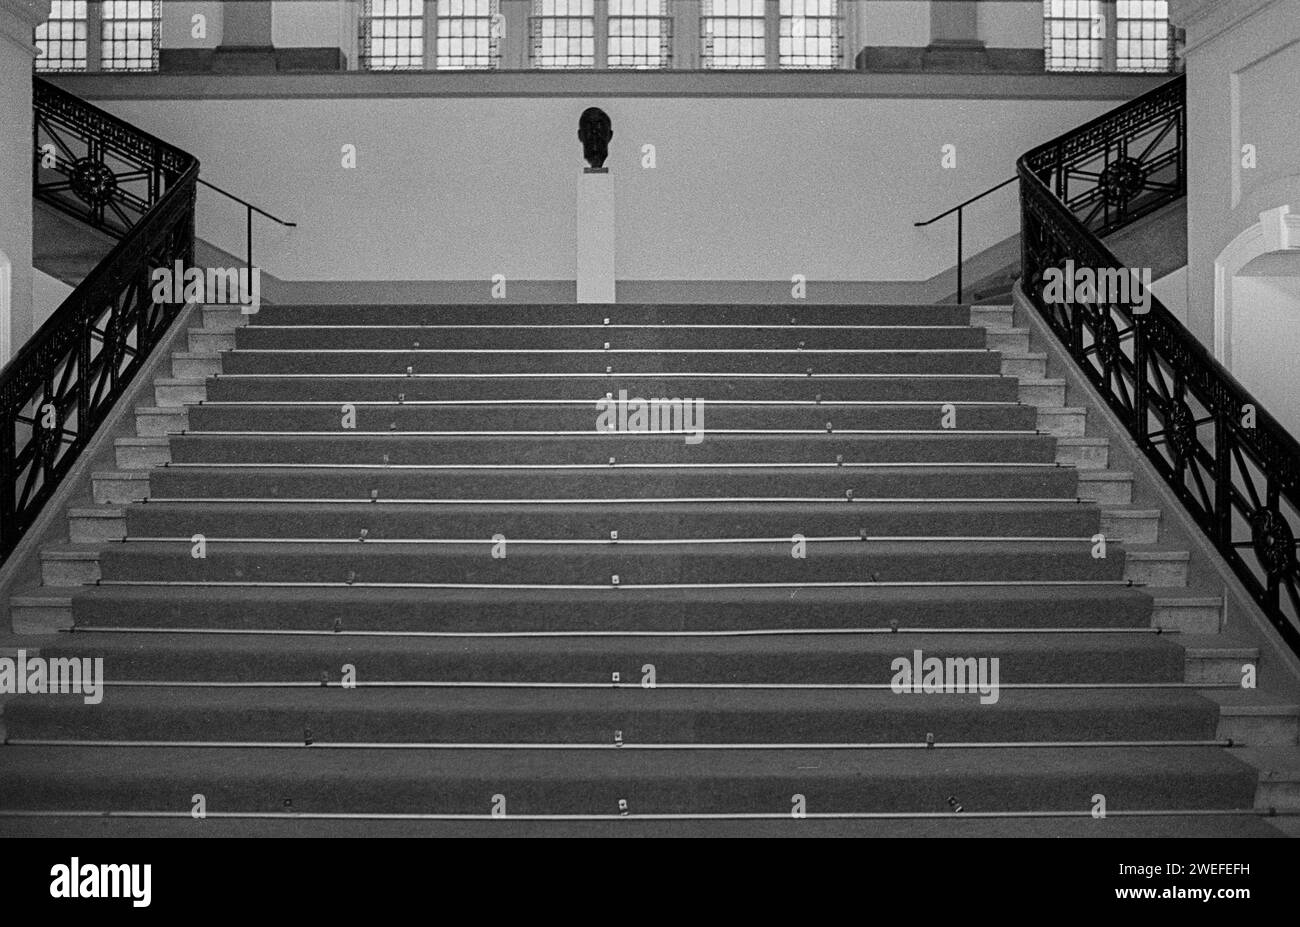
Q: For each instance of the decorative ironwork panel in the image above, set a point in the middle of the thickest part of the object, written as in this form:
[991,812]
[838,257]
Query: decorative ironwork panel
[63,382]
[1122,166]
[1234,467]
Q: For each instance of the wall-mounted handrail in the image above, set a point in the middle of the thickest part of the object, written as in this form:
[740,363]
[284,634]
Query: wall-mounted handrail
[960,210]
[249,209]
[1233,465]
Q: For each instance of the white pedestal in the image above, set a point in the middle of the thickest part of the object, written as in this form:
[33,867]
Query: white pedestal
[595,238]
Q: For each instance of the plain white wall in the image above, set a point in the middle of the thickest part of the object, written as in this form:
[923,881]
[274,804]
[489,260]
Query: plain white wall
[744,188]
[894,22]
[307,25]
[1171,290]
[16,54]
[178,24]
[1243,82]
[1008,24]
[1265,331]
[47,295]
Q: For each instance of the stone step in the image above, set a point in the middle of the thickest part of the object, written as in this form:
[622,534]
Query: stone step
[177,391]
[1279,783]
[1044,393]
[142,453]
[1213,659]
[157,421]
[224,318]
[69,566]
[1063,421]
[1132,526]
[96,523]
[116,487]
[1025,365]
[210,341]
[1250,718]
[1166,568]
[1083,453]
[186,364]
[41,611]
[993,316]
[1008,340]
[1109,487]
[1190,614]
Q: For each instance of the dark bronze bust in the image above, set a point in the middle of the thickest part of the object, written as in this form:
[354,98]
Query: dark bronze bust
[594,131]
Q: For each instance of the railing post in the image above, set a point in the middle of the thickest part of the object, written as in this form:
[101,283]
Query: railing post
[1222,519]
[8,476]
[1140,380]
[248,212]
[960,231]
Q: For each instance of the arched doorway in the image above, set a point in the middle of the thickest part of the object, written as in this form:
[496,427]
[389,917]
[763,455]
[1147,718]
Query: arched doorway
[1257,312]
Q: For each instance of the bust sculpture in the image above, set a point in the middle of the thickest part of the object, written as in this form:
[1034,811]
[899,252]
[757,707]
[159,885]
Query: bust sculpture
[594,131]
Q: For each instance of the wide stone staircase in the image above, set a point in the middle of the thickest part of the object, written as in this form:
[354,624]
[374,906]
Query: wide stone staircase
[377,569]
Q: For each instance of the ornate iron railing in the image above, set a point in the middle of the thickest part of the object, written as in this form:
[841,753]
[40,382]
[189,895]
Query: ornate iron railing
[1233,466]
[61,384]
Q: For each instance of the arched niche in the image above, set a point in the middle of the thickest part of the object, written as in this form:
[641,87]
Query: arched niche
[1257,312]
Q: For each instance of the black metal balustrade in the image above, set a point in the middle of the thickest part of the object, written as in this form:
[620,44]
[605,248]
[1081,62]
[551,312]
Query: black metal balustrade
[62,383]
[1233,466]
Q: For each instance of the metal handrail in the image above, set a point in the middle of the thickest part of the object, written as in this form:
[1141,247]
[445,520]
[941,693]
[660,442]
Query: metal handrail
[249,209]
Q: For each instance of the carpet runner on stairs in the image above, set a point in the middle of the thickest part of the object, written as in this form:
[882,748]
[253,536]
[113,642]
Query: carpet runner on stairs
[432,590]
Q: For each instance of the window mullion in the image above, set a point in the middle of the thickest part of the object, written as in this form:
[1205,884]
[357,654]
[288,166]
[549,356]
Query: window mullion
[1110,40]
[94,36]
[600,25]
[430,38]
[687,16]
[771,34]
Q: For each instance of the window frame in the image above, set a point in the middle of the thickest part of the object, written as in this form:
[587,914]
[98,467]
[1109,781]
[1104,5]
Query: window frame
[667,35]
[433,31]
[536,19]
[365,37]
[97,44]
[106,42]
[1107,22]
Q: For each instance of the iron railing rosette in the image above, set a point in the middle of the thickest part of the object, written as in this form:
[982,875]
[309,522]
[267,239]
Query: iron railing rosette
[1235,468]
[60,386]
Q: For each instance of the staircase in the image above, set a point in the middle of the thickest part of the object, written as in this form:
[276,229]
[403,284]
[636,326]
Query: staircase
[474,613]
